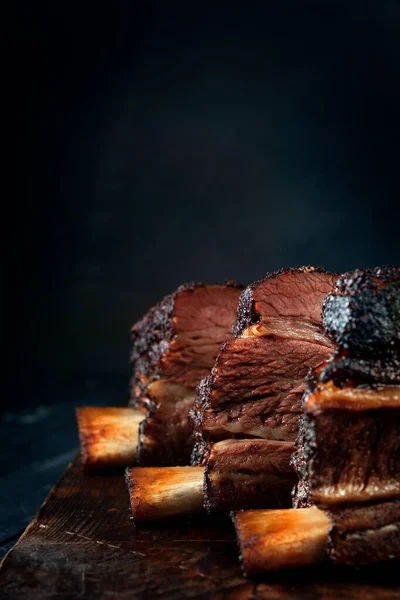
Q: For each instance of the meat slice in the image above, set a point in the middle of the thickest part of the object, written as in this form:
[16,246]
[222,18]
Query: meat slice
[165,435]
[350,445]
[256,384]
[256,387]
[174,346]
[248,473]
[247,411]
[366,533]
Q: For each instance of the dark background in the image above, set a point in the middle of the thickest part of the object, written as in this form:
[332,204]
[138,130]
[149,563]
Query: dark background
[168,144]
[174,142]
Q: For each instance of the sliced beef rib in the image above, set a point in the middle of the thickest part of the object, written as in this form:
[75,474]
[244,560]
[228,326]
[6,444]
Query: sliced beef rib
[258,379]
[252,398]
[174,346]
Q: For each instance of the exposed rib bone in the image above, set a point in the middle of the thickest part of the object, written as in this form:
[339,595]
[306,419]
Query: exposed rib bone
[160,492]
[280,539]
[108,437]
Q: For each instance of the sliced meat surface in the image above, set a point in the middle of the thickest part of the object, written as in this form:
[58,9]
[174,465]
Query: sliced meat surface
[344,369]
[179,338]
[293,294]
[348,449]
[362,314]
[174,346]
[256,384]
[365,534]
[244,474]
[351,444]
[165,436]
[256,387]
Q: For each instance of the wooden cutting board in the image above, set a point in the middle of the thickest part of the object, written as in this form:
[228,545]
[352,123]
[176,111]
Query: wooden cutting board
[82,544]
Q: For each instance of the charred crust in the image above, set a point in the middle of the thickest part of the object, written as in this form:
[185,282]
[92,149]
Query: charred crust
[246,314]
[345,370]
[200,452]
[299,462]
[362,313]
[201,449]
[207,490]
[233,283]
[354,282]
[203,392]
[128,480]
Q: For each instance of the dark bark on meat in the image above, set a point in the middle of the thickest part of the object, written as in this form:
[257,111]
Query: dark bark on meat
[346,370]
[301,491]
[362,314]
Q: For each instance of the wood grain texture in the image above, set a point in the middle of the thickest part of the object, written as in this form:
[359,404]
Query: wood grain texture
[83,544]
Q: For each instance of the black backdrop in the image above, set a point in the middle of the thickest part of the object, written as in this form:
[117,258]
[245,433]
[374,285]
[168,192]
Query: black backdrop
[168,143]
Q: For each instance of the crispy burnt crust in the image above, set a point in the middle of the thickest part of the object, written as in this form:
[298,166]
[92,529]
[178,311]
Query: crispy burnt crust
[247,314]
[362,313]
[298,461]
[201,448]
[346,370]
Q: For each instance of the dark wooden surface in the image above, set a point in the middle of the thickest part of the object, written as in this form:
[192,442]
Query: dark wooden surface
[38,437]
[83,544]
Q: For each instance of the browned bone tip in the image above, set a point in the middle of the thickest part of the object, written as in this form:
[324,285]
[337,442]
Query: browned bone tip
[279,539]
[108,437]
[161,492]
